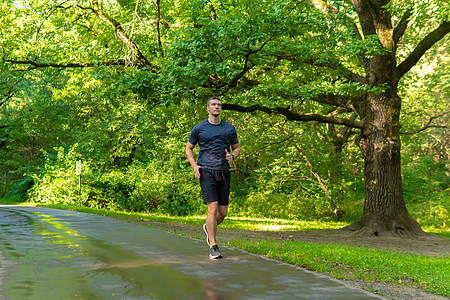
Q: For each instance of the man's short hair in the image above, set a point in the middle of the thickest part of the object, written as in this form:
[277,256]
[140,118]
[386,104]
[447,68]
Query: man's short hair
[213,98]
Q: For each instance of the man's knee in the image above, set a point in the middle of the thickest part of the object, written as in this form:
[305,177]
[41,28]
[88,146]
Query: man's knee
[213,208]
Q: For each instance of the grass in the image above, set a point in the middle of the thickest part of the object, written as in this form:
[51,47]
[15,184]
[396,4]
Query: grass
[343,262]
[232,222]
[237,223]
[354,263]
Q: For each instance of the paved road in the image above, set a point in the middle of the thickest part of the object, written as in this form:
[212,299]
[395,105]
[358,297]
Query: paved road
[56,254]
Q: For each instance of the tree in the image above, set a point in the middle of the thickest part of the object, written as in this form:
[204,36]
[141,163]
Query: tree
[379,140]
[333,62]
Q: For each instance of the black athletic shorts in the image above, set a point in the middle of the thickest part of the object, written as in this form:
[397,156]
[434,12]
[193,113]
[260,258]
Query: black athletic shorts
[215,185]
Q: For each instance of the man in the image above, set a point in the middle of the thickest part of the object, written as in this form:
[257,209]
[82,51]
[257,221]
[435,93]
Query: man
[214,137]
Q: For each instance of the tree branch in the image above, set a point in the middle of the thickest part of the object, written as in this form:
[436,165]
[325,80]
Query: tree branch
[158,22]
[400,29]
[36,65]
[98,10]
[428,125]
[294,116]
[364,11]
[432,38]
[233,82]
[423,129]
[8,95]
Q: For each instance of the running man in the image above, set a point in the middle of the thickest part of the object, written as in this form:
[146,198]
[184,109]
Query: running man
[219,146]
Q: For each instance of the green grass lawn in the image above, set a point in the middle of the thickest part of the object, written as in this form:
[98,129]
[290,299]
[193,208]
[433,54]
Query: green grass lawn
[339,261]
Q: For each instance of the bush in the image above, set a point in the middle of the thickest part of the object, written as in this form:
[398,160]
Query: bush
[146,187]
[175,202]
[56,182]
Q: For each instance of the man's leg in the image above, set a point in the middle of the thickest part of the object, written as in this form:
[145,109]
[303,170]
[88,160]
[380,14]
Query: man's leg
[211,222]
[223,194]
[216,215]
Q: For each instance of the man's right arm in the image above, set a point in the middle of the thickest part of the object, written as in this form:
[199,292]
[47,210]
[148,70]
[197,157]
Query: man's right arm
[190,156]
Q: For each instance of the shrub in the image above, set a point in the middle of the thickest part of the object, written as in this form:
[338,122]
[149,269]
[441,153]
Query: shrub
[56,182]
[146,187]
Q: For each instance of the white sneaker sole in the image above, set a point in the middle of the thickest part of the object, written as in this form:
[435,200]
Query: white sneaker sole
[215,257]
[207,239]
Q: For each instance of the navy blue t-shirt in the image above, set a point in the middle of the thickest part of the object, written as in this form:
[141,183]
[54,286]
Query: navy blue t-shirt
[213,140]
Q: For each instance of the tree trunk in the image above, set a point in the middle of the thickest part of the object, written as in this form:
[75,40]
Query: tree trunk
[384,207]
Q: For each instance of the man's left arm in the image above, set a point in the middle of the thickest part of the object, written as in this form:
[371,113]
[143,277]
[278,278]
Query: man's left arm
[235,151]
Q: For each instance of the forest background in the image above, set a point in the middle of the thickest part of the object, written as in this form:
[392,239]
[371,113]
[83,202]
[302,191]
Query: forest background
[118,85]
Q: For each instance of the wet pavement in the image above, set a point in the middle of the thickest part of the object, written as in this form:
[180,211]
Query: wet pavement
[56,254]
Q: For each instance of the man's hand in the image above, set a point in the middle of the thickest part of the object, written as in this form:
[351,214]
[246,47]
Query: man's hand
[197,171]
[228,156]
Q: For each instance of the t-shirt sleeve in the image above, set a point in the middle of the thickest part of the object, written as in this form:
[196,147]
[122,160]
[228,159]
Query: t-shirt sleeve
[193,138]
[234,138]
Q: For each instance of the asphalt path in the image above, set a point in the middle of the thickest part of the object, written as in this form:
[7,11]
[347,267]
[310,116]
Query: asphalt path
[57,254]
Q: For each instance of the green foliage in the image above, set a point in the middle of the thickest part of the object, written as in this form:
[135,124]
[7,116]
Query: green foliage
[424,178]
[425,163]
[177,202]
[57,182]
[141,187]
[275,181]
[433,212]
[19,189]
[131,124]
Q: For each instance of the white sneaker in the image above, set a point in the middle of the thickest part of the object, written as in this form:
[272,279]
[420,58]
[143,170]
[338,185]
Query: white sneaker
[214,252]
[206,231]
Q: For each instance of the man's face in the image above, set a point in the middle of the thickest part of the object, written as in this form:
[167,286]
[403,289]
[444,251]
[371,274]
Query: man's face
[214,107]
